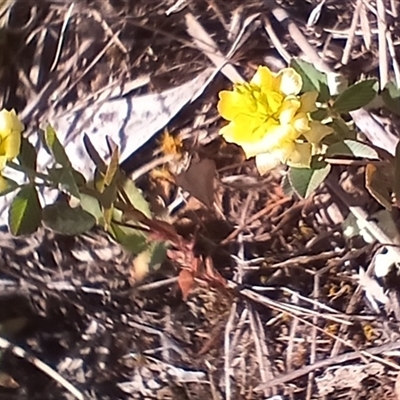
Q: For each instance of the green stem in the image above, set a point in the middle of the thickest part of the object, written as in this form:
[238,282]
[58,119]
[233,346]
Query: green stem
[31,173]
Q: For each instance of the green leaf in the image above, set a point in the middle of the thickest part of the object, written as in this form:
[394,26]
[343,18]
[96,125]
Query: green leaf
[305,180]
[313,80]
[356,96]
[352,148]
[92,206]
[132,239]
[25,211]
[7,185]
[27,155]
[149,260]
[112,168]
[108,198]
[391,97]
[341,131]
[64,178]
[286,186]
[94,155]
[55,147]
[136,198]
[62,218]
[320,114]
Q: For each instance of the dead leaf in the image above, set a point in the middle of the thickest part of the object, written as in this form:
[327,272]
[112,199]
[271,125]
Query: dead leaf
[186,283]
[379,182]
[7,381]
[397,387]
[212,274]
[198,180]
[347,376]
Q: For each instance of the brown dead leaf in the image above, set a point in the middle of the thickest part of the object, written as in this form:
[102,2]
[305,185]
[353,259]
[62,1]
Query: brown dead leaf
[397,387]
[7,381]
[186,283]
[379,182]
[212,274]
[198,180]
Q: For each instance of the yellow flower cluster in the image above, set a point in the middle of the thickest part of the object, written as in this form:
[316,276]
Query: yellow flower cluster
[10,140]
[10,136]
[271,121]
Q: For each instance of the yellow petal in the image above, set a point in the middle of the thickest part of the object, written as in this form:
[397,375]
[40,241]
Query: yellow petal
[10,145]
[317,132]
[230,104]
[275,137]
[248,124]
[267,162]
[10,122]
[229,132]
[274,101]
[3,161]
[263,78]
[289,81]
[300,156]
[288,110]
[301,123]
[308,100]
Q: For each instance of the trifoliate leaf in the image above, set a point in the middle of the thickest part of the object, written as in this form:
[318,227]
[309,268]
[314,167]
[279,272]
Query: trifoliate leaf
[25,212]
[352,148]
[132,239]
[27,155]
[312,78]
[62,218]
[305,180]
[136,197]
[55,147]
[391,97]
[7,185]
[356,96]
[92,206]
[341,131]
[66,180]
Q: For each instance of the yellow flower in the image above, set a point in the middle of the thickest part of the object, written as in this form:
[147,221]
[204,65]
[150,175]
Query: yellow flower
[10,136]
[270,120]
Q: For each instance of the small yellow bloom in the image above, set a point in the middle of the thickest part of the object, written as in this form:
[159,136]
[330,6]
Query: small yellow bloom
[171,144]
[10,136]
[270,120]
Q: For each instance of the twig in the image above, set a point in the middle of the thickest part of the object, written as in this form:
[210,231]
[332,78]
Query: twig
[328,362]
[350,38]
[275,40]
[313,355]
[62,36]
[18,351]
[262,350]
[392,52]
[227,352]
[383,53]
